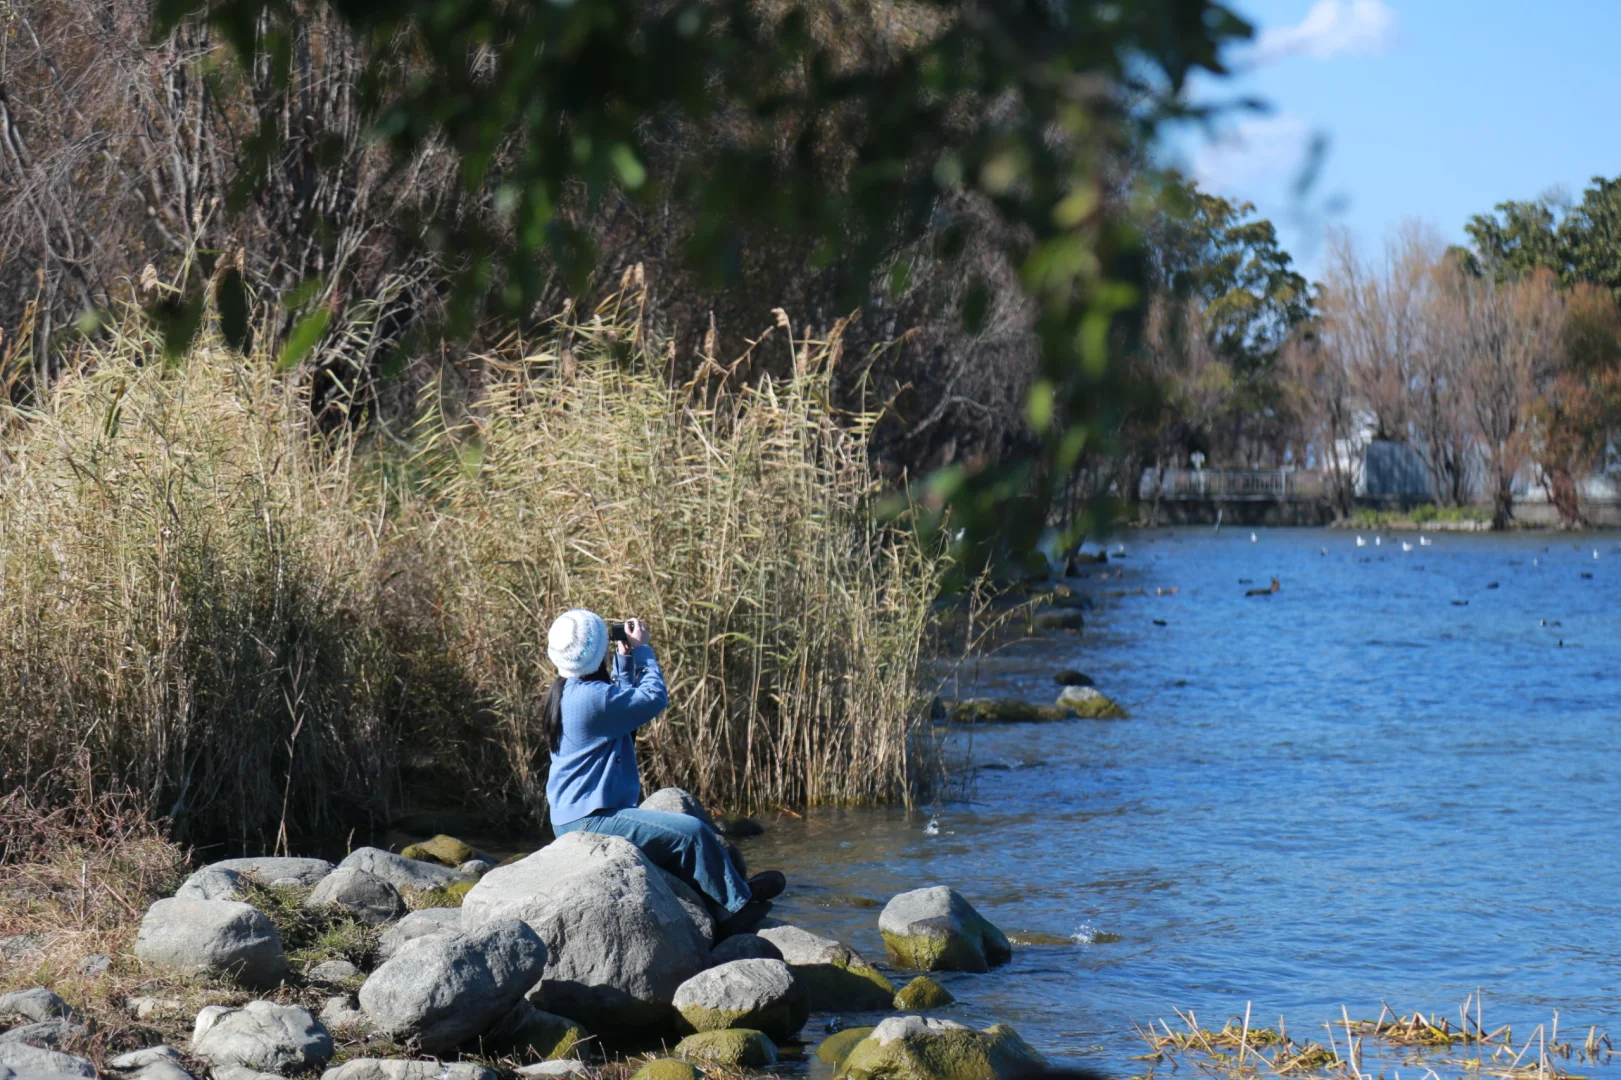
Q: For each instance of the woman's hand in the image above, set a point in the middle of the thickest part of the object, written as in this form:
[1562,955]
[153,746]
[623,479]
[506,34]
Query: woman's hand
[635,633]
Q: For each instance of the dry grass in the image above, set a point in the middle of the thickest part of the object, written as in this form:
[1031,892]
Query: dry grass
[267,634]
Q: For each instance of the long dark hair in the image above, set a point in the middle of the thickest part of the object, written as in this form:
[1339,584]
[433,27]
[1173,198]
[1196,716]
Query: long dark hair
[552,714]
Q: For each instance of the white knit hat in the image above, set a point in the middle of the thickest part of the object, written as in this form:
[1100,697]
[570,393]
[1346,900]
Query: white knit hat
[577,643]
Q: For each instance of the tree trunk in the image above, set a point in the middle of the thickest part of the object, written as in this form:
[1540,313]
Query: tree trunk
[1562,491]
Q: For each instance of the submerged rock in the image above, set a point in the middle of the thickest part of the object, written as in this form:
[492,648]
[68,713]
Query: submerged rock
[262,1036]
[220,938]
[1071,677]
[758,994]
[834,975]
[445,989]
[918,1048]
[366,897]
[1003,711]
[1090,703]
[400,872]
[618,940]
[738,1048]
[936,929]
[922,993]
[1064,618]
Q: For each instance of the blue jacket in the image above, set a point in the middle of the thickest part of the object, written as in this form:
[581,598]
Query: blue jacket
[594,767]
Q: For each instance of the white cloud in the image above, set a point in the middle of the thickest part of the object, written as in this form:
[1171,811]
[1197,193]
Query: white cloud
[1331,28]
[1258,153]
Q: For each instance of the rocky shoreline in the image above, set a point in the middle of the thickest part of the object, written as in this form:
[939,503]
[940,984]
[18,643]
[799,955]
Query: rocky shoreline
[580,959]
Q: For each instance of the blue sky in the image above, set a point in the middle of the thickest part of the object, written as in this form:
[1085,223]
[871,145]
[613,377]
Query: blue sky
[1432,109]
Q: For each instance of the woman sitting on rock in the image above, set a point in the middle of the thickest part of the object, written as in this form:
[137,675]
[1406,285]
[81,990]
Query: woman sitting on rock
[592,713]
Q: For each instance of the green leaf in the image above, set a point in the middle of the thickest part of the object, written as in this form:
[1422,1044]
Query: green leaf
[306,334]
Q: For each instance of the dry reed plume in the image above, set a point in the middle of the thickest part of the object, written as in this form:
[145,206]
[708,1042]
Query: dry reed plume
[265,633]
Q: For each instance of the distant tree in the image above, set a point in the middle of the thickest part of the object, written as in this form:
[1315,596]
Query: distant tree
[1579,409]
[1515,239]
[1591,236]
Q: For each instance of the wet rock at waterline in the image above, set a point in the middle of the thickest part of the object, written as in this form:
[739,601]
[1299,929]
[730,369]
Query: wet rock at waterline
[262,1036]
[740,828]
[922,993]
[301,873]
[736,1048]
[424,922]
[758,994]
[364,896]
[1071,677]
[919,1048]
[1089,703]
[218,938]
[619,942]
[400,872]
[834,975]
[837,1046]
[1063,618]
[936,929]
[444,989]
[22,1060]
[398,1069]
[531,1034]
[443,850]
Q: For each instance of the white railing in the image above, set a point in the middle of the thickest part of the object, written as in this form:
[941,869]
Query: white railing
[1233,484]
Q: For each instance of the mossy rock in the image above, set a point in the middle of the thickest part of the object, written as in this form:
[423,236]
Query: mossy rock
[665,1069]
[542,1036]
[999,711]
[912,1048]
[837,1046]
[518,858]
[922,952]
[1059,618]
[780,1020]
[442,849]
[445,896]
[923,993]
[841,985]
[735,1048]
[1089,703]
[920,936]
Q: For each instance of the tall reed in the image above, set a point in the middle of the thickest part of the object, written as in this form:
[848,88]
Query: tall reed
[267,632]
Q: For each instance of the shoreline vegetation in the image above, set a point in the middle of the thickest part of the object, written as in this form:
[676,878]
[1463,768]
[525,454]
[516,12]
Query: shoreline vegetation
[265,631]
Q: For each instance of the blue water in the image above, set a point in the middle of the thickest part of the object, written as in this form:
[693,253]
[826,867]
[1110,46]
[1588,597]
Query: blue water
[1351,792]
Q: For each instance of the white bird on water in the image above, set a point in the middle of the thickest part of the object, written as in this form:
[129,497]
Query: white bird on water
[1361,542]
[1252,540]
[1423,541]
[1595,553]
[1405,546]
[1377,540]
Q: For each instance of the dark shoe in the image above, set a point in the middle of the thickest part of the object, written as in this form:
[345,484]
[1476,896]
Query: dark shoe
[767,885]
[749,916]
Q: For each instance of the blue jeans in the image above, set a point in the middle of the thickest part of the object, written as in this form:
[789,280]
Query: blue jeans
[679,843]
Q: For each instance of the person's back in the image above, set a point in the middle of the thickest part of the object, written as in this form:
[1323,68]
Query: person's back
[592,713]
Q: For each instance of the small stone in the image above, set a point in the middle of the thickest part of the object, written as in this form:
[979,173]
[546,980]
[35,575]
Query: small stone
[744,947]
[936,929]
[367,897]
[397,1069]
[561,1067]
[758,994]
[475,867]
[400,872]
[424,922]
[834,975]
[32,1062]
[262,1035]
[222,938]
[340,1013]
[95,964]
[52,1034]
[148,1008]
[736,1048]
[36,1004]
[213,883]
[301,873]
[922,993]
[442,849]
[1089,703]
[332,972]
[665,1069]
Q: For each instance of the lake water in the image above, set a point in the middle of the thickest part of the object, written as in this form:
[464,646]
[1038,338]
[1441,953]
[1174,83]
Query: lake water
[1358,790]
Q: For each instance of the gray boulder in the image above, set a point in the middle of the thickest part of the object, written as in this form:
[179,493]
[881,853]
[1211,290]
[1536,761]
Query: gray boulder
[475,868]
[224,938]
[693,904]
[339,1014]
[153,1063]
[37,1004]
[278,871]
[445,989]
[23,1061]
[263,1036]
[835,976]
[935,929]
[52,1034]
[397,1069]
[213,883]
[400,872]
[919,1048]
[367,897]
[674,800]
[332,972]
[618,941]
[761,995]
[744,947]
[424,922]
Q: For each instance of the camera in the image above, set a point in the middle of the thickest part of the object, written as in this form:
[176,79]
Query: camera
[616,632]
